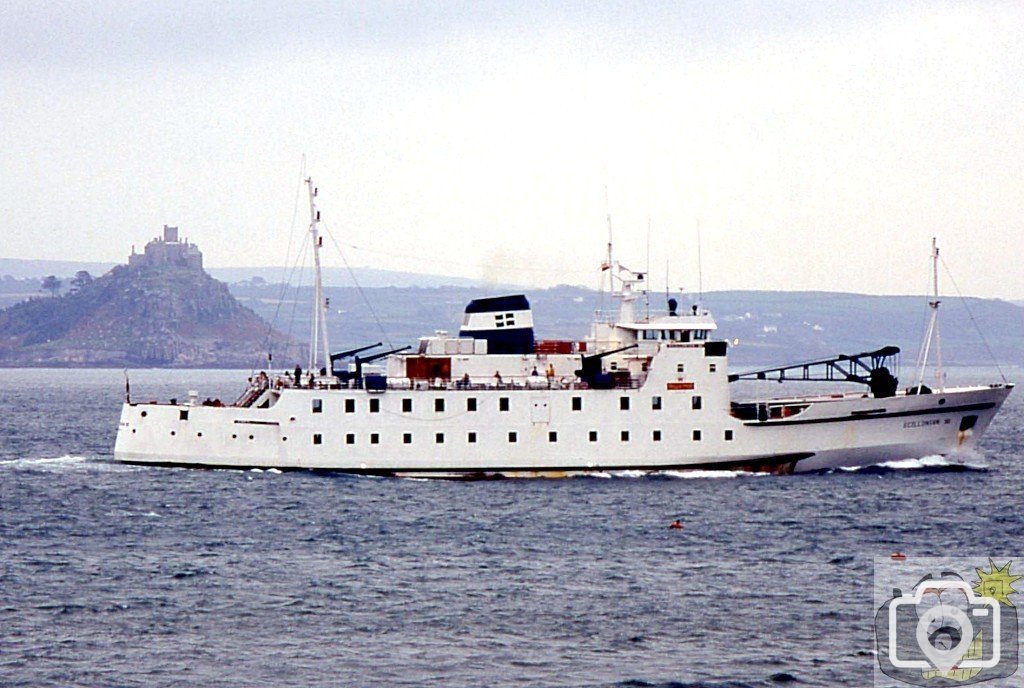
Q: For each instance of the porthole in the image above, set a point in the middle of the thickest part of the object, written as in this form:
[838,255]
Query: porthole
[144,414]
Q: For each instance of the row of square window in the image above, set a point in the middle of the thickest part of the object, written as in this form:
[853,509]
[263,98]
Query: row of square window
[503,404]
[513,437]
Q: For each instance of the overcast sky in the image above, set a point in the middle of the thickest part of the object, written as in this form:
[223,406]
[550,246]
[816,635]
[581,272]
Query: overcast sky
[818,145]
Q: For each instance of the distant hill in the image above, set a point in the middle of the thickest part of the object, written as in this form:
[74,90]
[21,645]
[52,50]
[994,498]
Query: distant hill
[339,277]
[772,327]
[342,277]
[152,317]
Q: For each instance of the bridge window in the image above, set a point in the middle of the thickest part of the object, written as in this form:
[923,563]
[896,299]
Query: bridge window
[438,405]
[624,403]
[503,403]
[350,406]
[471,404]
[695,402]
[374,405]
[577,403]
[406,405]
[183,414]
[318,406]
[655,403]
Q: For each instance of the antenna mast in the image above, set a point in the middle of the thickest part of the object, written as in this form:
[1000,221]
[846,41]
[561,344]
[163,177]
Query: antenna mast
[933,329]
[608,260]
[700,270]
[319,300]
[647,273]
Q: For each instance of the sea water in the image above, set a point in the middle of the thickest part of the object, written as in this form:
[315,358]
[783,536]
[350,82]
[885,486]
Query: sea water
[116,575]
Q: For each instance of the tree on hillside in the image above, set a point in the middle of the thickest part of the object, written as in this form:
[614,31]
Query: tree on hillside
[51,284]
[81,280]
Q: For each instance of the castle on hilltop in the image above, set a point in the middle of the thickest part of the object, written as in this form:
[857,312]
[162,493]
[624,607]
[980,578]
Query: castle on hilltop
[166,252]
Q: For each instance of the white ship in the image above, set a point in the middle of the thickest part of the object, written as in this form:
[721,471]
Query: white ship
[638,393]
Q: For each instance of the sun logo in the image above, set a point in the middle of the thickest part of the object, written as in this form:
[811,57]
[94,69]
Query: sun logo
[996,583]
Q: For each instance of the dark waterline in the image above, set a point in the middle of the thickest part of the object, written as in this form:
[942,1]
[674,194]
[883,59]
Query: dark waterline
[123,576]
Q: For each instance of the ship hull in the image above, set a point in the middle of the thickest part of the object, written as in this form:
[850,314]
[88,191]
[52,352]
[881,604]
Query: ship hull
[553,433]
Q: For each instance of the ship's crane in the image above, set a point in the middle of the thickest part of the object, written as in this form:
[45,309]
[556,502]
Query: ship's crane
[871,368]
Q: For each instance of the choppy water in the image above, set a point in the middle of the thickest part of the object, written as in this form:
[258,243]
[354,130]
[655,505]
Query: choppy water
[126,576]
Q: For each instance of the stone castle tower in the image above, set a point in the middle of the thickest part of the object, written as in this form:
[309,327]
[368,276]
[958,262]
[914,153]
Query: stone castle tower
[168,251]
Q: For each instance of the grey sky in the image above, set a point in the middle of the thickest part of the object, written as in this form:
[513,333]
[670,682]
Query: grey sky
[819,145]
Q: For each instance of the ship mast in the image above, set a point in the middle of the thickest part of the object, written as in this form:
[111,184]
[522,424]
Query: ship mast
[319,335]
[933,330]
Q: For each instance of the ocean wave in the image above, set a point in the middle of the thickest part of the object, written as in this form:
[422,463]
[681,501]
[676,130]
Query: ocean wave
[695,474]
[934,463]
[46,461]
[704,474]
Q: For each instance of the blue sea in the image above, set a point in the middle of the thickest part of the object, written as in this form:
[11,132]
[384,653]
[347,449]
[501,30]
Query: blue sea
[114,575]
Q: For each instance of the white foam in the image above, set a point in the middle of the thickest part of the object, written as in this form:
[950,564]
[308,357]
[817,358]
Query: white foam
[705,474]
[680,474]
[57,461]
[627,474]
[932,461]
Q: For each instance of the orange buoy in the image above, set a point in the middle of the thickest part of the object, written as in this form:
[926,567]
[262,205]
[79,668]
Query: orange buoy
[898,556]
[676,525]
